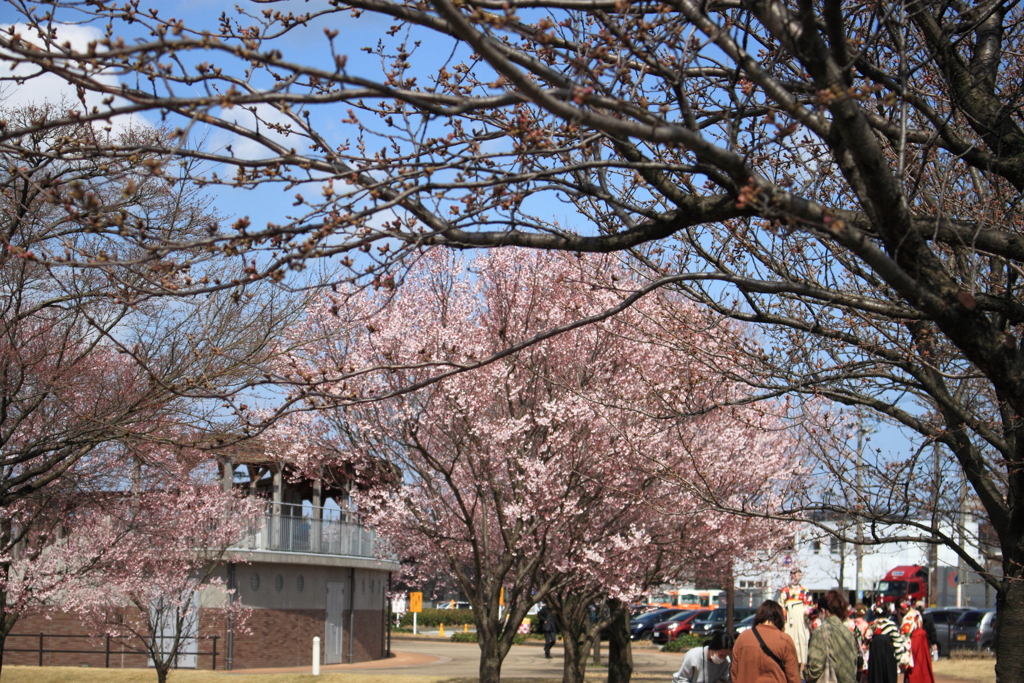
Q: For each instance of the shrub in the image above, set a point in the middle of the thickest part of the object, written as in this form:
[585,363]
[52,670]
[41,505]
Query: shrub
[683,643]
[434,617]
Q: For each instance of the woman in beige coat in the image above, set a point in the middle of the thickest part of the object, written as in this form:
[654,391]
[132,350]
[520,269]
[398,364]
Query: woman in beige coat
[770,659]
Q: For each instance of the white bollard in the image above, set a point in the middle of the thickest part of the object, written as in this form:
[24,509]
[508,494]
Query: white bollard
[316,655]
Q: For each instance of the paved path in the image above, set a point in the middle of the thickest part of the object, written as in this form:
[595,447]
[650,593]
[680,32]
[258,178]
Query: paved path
[441,657]
[425,657]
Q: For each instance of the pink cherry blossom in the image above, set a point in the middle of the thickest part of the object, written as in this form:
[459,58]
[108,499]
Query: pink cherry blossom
[581,465]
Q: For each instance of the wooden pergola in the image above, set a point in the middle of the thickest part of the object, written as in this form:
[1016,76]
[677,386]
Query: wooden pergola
[284,485]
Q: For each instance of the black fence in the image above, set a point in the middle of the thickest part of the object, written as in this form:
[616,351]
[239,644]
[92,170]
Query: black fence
[106,651]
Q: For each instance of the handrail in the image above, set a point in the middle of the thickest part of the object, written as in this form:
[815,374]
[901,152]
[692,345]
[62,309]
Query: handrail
[287,527]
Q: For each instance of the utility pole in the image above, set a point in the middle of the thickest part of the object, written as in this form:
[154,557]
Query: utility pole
[961,568]
[860,494]
[933,549]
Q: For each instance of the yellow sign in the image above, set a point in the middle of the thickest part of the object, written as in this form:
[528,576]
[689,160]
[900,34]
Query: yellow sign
[416,602]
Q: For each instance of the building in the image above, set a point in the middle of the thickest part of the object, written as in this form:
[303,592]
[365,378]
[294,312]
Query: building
[311,570]
[827,563]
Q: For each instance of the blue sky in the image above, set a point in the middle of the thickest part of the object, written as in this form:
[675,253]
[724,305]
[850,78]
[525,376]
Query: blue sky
[308,45]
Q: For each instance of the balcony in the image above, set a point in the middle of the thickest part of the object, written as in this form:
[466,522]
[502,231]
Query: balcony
[304,529]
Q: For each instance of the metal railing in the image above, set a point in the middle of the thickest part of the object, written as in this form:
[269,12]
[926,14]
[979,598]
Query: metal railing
[287,527]
[106,651]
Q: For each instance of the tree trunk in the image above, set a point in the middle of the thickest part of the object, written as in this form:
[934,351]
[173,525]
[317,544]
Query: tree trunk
[490,662]
[620,650]
[8,619]
[730,602]
[3,631]
[161,672]
[1010,629]
[574,663]
[574,622]
[6,623]
[490,654]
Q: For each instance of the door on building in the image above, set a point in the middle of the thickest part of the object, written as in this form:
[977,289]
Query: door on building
[333,651]
[169,616]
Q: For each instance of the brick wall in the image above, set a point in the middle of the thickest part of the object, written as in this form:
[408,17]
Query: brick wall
[58,632]
[284,638]
[278,638]
[369,635]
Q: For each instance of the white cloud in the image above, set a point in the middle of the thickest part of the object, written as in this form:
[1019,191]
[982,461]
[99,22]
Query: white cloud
[23,84]
[262,118]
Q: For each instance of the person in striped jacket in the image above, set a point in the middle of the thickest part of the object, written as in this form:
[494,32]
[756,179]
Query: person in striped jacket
[888,646]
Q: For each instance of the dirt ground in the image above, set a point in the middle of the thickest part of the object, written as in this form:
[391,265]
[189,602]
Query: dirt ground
[57,674]
[946,671]
[974,670]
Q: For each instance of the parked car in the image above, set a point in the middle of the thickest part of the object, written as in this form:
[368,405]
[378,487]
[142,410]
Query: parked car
[638,608]
[944,618]
[745,624]
[974,630]
[676,626]
[714,622]
[642,626]
[454,604]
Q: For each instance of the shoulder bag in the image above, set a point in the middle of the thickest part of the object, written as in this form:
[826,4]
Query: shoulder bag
[765,649]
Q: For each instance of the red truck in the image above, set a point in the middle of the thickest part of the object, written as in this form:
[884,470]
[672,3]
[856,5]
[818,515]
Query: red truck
[906,581]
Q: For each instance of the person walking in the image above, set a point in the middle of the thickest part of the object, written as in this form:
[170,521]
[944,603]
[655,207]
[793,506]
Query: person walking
[832,644]
[928,623]
[909,620]
[923,640]
[548,627]
[861,626]
[887,646]
[764,653]
[708,664]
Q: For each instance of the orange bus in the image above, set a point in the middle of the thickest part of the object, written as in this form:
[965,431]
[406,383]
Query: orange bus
[682,599]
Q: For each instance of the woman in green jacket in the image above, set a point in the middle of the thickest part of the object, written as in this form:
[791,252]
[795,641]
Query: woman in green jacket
[832,643]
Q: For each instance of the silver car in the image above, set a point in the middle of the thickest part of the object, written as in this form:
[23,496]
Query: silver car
[944,618]
[975,630]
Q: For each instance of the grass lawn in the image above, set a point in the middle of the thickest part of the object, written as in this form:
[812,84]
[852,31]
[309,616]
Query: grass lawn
[69,674]
[981,670]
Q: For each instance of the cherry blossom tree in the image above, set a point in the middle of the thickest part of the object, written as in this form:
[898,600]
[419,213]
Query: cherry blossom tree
[685,537]
[543,473]
[59,430]
[721,452]
[845,175]
[91,372]
[136,565]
